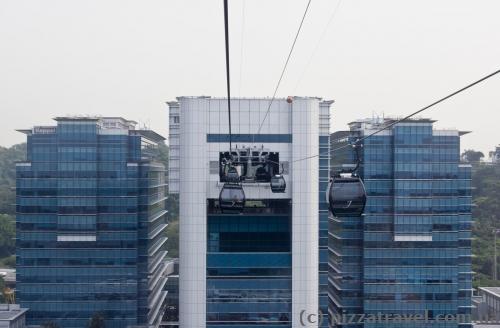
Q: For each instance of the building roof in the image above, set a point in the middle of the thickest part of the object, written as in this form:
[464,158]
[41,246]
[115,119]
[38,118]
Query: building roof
[76,118]
[277,99]
[246,98]
[105,123]
[9,312]
[413,120]
[91,118]
[25,131]
[491,290]
[376,123]
[149,134]
[389,120]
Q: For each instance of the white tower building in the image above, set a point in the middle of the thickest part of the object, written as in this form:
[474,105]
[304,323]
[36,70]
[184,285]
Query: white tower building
[258,267]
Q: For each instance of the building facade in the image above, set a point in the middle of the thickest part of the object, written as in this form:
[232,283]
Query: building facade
[90,224]
[258,268]
[324,177]
[410,253]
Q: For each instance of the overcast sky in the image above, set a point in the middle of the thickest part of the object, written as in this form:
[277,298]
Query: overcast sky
[126,58]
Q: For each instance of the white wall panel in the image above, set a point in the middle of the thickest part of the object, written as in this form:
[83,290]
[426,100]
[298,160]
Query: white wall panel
[192,202]
[305,226]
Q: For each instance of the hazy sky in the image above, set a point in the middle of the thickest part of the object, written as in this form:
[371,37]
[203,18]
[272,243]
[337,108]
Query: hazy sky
[120,57]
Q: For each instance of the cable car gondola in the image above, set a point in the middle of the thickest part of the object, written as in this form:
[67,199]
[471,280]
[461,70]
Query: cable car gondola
[346,195]
[278,183]
[232,196]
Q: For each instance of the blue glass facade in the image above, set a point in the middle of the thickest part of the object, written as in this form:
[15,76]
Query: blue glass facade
[324,174]
[275,138]
[249,268]
[90,223]
[410,253]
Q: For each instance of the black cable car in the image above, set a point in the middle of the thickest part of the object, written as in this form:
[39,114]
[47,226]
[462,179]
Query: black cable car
[346,195]
[232,198]
[232,195]
[278,183]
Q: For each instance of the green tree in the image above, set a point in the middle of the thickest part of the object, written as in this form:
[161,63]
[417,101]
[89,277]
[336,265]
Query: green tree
[472,156]
[163,154]
[8,159]
[486,214]
[97,321]
[172,206]
[8,262]
[2,287]
[173,239]
[7,235]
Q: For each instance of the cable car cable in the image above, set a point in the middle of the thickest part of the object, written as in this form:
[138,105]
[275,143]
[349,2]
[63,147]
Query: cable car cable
[242,37]
[232,196]
[286,64]
[228,76]
[358,158]
[316,48]
[406,117]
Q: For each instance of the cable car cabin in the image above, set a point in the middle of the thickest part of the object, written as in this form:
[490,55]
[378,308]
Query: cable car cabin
[347,196]
[232,198]
[278,183]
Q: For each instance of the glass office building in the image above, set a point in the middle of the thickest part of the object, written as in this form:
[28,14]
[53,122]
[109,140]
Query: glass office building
[258,268]
[324,175]
[90,224]
[410,253]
